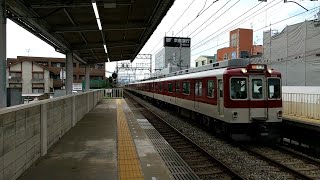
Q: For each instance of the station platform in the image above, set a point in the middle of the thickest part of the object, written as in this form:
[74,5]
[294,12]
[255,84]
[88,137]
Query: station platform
[107,143]
[304,122]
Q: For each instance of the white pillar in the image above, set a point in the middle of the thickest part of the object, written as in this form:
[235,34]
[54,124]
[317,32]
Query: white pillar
[3,55]
[44,129]
[87,78]
[69,72]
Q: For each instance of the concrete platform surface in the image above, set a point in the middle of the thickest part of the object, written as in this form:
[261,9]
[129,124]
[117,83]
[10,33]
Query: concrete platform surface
[97,149]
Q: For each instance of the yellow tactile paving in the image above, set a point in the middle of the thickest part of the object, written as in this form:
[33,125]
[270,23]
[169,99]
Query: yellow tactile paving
[128,162]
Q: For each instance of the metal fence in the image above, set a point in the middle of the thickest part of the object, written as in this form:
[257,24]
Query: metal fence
[304,105]
[114,93]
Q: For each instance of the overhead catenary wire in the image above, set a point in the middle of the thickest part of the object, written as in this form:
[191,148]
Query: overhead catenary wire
[260,29]
[211,17]
[208,19]
[191,21]
[231,22]
[173,24]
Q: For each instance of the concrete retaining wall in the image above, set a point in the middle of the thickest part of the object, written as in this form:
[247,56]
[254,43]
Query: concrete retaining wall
[28,131]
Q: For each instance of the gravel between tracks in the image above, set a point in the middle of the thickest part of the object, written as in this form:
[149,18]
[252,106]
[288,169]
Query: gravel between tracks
[237,159]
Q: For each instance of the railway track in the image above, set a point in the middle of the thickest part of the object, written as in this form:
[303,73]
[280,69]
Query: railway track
[294,164]
[298,165]
[200,161]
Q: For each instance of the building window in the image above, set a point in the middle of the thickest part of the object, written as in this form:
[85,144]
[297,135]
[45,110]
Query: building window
[57,64]
[225,56]
[55,76]
[74,77]
[15,85]
[43,63]
[82,77]
[197,64]
[203,63]
[210,61]
[74,65]
[15,75]
[233,42]
[37,75]
[38,88]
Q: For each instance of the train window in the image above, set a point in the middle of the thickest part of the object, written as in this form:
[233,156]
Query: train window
[257,89]
[177,87]
[274,88]
[198,89]
[210,92]
[186,88]
[238,88]
[170,89]
[160,86]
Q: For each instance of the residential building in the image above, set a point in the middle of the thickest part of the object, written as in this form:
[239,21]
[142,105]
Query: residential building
[29,76]
[240,46]
[203,60]
[57,67]
[175,55]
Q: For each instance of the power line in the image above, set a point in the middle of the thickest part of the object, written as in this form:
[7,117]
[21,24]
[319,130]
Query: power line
[210,18]
[201,42]
[196,17]
[173,25]
[259,29]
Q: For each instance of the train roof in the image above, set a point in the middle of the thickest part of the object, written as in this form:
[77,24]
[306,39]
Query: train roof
[200,74]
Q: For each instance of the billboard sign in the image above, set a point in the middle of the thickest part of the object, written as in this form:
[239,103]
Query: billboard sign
[176,42]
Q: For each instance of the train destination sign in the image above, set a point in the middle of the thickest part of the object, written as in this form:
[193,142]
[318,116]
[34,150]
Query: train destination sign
[175,42]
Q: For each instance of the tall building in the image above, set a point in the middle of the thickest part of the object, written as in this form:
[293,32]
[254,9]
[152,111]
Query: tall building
[203,60]
[56,67]
[240,46]
[175,55]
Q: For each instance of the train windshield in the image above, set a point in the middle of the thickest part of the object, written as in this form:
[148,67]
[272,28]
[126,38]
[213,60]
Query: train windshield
[274,88]
[257,89]
[238,88]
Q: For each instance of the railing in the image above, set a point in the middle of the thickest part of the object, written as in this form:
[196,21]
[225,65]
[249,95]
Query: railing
[114,93]
[303,105]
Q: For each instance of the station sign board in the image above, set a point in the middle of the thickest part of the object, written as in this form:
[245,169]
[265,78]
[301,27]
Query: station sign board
[176,42]
[77,86]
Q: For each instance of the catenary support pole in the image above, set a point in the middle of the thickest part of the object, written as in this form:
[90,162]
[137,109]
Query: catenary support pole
[3,55]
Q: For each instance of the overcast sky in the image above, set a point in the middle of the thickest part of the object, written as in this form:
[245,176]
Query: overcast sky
[216,17]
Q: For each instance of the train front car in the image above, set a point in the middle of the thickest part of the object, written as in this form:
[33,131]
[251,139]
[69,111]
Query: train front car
[253,104]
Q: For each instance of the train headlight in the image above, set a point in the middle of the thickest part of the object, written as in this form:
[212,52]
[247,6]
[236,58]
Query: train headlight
[235,115]
[269,71]
[244,70]
[279,114]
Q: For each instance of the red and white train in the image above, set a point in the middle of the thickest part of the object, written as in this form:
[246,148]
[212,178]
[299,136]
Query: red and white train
[233,97]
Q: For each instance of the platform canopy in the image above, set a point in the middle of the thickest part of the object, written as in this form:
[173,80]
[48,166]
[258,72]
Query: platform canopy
[73,25]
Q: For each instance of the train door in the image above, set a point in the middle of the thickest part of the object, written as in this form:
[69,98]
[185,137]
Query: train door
[258,98]
[220,98]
